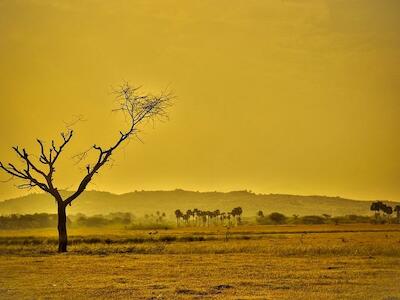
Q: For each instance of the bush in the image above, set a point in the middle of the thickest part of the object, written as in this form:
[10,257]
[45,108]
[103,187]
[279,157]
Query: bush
[273,218]
[277,218]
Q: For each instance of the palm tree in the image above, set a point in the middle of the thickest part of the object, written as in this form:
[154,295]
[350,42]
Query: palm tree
[189,213]
[204,217]
[209,216]
[239,212]
[178,215]
[229,218]
[196,215]
[185,218]
[222,218]
[217,213]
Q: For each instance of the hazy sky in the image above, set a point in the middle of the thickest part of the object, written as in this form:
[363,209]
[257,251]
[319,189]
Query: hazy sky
[276,96]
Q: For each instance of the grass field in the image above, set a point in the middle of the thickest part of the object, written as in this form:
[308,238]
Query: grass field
[252,262]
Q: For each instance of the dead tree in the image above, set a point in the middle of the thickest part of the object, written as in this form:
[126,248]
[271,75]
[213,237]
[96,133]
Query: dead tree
[136,107]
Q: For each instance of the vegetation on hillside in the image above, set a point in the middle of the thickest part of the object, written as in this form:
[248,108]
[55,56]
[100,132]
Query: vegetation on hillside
[196,218]
[146,202]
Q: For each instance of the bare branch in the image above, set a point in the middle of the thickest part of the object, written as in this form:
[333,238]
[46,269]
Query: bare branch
[24,175]
[66,138]
[137,108]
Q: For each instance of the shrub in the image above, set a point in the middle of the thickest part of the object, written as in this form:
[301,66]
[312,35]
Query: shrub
[273,218]
[277,218]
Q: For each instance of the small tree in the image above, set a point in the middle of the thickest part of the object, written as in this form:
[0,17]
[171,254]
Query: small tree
[277,218]
[237,213]
[388,212]
[178,215]
[376,206]
[136,107]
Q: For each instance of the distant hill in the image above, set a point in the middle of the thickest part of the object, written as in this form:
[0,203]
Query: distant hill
[146,202]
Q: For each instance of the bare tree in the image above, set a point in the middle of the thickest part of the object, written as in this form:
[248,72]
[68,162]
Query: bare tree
[137,108]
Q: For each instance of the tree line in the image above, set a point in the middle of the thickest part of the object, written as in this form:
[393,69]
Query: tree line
[44,220]
[387,211]
[276,218]
[197,217]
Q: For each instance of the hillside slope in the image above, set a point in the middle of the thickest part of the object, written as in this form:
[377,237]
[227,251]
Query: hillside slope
[145,202]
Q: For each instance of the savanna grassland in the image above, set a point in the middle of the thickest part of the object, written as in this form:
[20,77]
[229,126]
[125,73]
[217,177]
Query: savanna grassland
[246,262]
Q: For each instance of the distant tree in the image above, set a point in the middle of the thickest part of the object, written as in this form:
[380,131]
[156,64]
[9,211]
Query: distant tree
[388,212]
[277,218]
[185,218]
[196,216]
[260,214]
[376,206]
[326,216]
[229,217]
[386,209]
[136,107]
[203,215]
[209,216]
[178,215]
[236,214]
[397,210]
[189,214]
[217,214]
[222,217]
[41,220]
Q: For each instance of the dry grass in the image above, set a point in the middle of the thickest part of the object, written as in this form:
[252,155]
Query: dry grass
[261,262]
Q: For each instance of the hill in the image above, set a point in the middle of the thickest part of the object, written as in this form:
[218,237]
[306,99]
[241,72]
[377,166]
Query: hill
[146,202]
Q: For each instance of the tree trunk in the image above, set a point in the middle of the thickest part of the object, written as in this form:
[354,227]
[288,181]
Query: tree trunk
[62,228]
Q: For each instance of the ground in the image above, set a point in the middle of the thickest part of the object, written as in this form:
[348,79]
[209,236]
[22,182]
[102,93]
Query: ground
[252,262]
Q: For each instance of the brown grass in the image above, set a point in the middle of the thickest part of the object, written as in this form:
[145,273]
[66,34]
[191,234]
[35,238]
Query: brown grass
[259,262]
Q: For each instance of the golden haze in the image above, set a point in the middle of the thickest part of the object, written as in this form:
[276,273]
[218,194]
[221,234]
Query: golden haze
[274,96]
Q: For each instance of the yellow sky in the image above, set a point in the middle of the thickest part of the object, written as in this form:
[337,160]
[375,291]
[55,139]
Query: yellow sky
[276,96]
